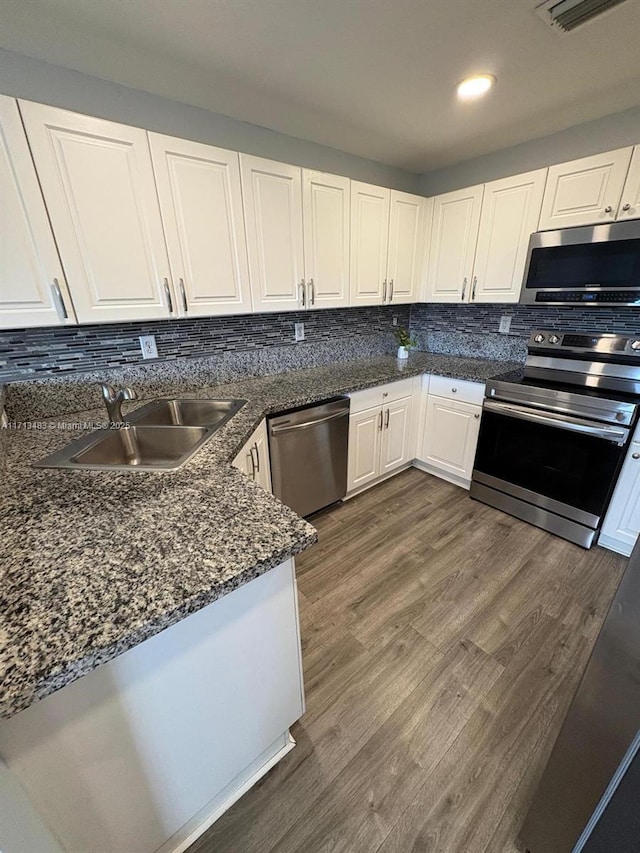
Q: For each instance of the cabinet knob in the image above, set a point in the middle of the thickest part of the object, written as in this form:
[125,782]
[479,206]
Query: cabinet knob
[454,390]
[476,416]
[635,455]
[626,207]
[608,209]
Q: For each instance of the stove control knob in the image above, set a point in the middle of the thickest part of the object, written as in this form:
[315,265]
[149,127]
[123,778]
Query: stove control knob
[635,345]
[554,339]
[619,416]
[538,339]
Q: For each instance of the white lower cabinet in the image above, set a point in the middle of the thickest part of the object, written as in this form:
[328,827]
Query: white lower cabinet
[451,416]
[254,461]
[621,525]
[381,433]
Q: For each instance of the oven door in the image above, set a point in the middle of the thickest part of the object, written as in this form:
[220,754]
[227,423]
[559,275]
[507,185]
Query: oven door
[566,465]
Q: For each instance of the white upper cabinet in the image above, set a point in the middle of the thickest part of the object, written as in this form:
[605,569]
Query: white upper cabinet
[408,223]
[510,212]
[370,207]
[272,194]
[201,207]
[630,202]
[99,188]
[33,291]
[454,234]
[586,191]
[326,214]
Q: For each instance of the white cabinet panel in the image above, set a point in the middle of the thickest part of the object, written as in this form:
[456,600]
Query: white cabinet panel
[406,246]
[621,525]
[585,191]
[100,192]
[396,449]
[29,262]
[201,206]
[365,430]
[510,213]
[272,194]
[450,436]
[369,243]
[454,233]
[254,459]
[630,201]
[326,209]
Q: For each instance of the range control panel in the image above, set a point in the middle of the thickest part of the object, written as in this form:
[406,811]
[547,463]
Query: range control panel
[577,342]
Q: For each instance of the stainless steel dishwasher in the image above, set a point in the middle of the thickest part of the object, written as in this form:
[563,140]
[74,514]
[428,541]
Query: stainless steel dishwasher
[308,449]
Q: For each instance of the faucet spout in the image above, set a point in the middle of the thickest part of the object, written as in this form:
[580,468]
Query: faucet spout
[113,400]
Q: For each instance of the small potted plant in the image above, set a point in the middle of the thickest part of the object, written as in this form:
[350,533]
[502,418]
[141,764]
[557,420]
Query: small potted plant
[405,341]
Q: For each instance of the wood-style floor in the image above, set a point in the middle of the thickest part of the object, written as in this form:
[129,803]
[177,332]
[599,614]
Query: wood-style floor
[442,643]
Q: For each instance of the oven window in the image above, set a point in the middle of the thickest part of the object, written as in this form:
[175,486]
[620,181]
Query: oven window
[575,469]
[613,264]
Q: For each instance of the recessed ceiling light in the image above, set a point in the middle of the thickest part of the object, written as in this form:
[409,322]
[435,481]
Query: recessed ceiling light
[475,87]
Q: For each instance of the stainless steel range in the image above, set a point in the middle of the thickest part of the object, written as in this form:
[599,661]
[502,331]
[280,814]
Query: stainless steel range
[553,437]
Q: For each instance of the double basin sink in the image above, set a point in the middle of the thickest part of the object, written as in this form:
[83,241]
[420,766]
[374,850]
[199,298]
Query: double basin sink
[160,436]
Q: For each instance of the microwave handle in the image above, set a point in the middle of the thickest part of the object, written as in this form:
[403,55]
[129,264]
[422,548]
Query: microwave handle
[610,433]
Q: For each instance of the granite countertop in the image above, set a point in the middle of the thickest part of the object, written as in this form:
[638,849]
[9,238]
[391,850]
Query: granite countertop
[95,562]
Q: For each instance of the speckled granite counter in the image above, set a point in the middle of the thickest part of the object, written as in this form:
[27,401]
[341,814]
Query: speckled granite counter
[93,562]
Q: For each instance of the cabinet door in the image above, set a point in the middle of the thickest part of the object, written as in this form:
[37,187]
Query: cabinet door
[454,234]
[621,525]
[630,201]
[29,262]
[201,207]
[510,213]
[406,247]
[586,191]
[272,194]
[99,188]
[326,213]
[365,430]
[396,449]
[369,243]
[450,436]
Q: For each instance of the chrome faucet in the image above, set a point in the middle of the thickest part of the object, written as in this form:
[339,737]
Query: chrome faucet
[113,400]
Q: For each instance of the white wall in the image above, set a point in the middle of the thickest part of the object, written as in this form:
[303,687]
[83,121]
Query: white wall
[23,77]
[605,134]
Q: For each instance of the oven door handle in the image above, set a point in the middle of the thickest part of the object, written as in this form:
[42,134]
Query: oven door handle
[609,433]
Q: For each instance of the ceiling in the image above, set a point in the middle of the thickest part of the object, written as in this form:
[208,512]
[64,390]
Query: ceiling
[374,78]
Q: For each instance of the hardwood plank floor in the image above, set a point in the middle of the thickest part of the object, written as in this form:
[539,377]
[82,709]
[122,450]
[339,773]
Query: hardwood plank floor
[442,643]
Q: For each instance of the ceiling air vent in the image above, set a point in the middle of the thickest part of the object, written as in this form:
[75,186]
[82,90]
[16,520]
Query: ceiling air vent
[568,15]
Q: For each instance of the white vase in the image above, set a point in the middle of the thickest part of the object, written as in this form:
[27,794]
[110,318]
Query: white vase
[403,352]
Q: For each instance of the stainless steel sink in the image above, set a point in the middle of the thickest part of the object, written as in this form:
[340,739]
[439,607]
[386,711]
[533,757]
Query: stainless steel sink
[209,413]
[139,448]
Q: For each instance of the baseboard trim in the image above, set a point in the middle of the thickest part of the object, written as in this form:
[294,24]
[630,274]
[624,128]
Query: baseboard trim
[377,481]
[613,544]
[443,475]
[215,808]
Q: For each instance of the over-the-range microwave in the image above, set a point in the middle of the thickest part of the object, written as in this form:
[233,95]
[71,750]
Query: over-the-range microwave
[592,265]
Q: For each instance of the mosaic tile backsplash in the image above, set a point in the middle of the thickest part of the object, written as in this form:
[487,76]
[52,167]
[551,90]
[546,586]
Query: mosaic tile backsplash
[36,353]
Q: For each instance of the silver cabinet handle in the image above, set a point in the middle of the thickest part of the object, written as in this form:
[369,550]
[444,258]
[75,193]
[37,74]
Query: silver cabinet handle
[608,209]
[302,292]
[635,455]
[312,293]
[184,295]
[473,288]
[167,292]
[61,308]
[384,291]
[626,207]
[464,288]
[386,420]
[254,470]
[390,291]
[380,424]
[255,446]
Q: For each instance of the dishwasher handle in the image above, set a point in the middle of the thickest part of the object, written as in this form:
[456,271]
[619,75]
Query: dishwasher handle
[278,429]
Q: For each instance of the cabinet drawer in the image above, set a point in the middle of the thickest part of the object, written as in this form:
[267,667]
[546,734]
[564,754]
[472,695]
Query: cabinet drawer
[387,393]
[457,389]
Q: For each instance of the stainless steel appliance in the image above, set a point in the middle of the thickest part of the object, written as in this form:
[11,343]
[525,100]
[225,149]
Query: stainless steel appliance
[594,765]
[553,436]
[308,449]
[593,265]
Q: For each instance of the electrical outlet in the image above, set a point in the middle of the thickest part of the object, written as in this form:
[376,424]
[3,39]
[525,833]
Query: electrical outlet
[299,331]
[394,322]
[505,324]
[148,346]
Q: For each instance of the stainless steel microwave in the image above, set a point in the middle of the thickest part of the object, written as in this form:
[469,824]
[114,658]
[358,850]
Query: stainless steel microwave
[592,265]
